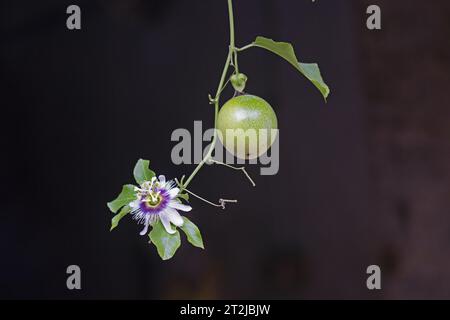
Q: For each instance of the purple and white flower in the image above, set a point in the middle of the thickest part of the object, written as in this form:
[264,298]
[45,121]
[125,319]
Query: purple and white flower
[156,200]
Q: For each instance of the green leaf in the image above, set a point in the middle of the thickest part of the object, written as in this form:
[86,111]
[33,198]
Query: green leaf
[286,51]
[115,220]
[193,233]
[125,197]
[166,243]
[142,172]
[183,196]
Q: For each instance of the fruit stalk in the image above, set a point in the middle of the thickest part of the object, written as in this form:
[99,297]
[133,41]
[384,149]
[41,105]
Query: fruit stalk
[231,53]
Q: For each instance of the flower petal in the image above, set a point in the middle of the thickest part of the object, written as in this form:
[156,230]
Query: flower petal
[162,179]
[173,192]
[166,222]
[144,231]
[134,204]
[174,216]
[180,206]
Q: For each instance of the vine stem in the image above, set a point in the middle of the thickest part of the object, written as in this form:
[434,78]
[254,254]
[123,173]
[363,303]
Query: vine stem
[221,204]
[251,45]
[235,168]
[216,100]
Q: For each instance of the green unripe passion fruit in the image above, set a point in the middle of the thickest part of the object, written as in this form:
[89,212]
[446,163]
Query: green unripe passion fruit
[246,126]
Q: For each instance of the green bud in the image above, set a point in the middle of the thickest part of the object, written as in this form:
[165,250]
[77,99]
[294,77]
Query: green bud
[238,81]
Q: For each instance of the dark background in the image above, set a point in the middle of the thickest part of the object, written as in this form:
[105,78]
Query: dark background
[363,180]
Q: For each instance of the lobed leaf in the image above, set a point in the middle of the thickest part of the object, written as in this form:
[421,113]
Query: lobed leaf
[166,244]
[116,219]
[125,197]
[184,196]
[285,50]
[192,233]
[142,171]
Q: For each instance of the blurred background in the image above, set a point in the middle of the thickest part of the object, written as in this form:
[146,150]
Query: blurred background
[363,180]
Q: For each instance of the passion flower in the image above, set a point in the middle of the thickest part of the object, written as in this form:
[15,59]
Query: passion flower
[156,200]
